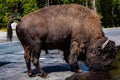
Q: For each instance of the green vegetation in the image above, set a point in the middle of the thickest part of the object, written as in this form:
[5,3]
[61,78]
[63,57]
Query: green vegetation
[108,10]
[3,29]
[115,68]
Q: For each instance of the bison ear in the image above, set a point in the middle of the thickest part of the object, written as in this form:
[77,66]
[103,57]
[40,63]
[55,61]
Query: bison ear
[104,44]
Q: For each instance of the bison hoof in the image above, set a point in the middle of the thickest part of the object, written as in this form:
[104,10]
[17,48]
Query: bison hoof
[31,74]
[44,75]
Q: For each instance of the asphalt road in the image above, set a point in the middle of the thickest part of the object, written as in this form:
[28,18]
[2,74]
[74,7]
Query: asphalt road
[14,68]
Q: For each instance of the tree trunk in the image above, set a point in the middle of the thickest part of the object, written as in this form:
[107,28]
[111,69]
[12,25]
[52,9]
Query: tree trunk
[94,5]
[112,16]
[47,2]
[86,3]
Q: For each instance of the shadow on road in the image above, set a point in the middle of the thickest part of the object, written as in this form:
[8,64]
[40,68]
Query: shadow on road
[3,63]
[54,68]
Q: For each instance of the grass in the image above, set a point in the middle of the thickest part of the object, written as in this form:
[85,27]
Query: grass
[115,68]
[3,29]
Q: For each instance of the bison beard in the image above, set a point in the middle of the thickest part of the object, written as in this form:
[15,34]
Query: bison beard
[72,28]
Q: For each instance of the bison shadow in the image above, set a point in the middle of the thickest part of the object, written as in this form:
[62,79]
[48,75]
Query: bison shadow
[3,63]
[56,68]
[60,68]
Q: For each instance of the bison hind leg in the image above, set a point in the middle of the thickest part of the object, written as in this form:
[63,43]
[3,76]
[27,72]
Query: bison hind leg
[66,55]
[25,41]
[36,49]
[27,57]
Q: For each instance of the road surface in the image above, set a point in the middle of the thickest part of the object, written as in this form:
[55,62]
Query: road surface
[13,66]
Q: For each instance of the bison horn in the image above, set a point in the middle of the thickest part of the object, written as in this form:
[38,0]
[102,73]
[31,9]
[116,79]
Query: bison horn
[105,43]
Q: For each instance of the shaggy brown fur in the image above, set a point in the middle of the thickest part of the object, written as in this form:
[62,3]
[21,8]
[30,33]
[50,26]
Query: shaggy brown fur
[71,28]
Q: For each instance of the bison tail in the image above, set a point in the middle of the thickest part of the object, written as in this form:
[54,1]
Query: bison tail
[9,29]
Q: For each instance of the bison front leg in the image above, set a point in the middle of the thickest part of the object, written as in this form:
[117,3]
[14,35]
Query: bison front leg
[27,56]
[73,56]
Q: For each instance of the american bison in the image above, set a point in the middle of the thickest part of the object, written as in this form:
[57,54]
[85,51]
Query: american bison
[72,28]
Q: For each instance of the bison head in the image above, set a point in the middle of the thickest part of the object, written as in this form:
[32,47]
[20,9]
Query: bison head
[101,55]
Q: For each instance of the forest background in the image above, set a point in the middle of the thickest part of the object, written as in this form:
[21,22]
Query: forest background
[108,10]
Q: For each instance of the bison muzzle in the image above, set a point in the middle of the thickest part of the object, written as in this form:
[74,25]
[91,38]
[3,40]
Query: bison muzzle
[72,28]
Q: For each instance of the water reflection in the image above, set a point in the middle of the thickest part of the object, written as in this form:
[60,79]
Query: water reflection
[90,75]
